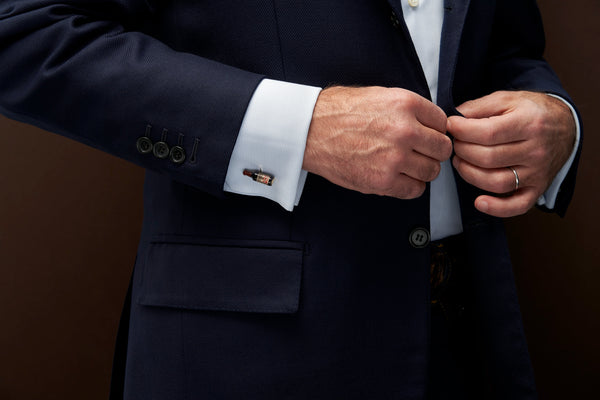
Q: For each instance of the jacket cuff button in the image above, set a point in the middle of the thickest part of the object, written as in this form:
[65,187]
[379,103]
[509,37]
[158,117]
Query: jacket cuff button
[177,154]
[160,150]
[144,145]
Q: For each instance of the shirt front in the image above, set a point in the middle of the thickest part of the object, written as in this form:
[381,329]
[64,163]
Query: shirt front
[424,20]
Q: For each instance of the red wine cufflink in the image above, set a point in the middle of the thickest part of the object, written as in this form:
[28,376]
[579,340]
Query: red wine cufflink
[260,177]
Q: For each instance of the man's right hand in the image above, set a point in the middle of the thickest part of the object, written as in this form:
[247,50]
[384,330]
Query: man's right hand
[376,140]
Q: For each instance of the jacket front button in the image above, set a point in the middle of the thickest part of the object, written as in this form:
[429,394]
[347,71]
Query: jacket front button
[144,145]
[177,154]
[419,238]
[160,150]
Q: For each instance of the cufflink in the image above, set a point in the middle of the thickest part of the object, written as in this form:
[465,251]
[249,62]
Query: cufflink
[260,177]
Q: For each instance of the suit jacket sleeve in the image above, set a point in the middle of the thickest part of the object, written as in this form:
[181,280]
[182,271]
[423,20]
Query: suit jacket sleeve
[516,62]
[84,69]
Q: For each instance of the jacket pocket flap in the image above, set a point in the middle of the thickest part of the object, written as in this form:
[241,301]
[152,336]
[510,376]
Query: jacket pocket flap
[228,275]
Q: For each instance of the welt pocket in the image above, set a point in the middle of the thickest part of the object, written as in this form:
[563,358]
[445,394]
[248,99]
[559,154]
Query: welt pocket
[222,275]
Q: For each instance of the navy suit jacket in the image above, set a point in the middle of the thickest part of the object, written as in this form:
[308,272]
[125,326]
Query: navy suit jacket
[233,297]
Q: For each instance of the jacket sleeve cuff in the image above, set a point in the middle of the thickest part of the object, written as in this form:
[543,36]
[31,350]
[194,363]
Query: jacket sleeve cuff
[272,138]
[548,199]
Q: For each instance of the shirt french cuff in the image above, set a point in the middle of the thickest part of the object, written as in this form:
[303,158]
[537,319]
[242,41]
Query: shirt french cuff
[300,189]
[548,199]
[272,139]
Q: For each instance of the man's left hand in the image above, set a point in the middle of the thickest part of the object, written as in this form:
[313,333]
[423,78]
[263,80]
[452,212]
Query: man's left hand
[531,132]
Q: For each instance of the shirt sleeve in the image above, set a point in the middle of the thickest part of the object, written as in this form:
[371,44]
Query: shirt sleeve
[272,139]
[548,199]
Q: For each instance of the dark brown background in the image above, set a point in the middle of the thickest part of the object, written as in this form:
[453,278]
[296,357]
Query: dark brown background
[70,219]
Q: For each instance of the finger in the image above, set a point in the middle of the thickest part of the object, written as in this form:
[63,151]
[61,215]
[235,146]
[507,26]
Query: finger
[430,115]
[517,204]
[496,180]
[504,155]
[432,144]
[486,131]
[420,167]
[406,188]
[496,103]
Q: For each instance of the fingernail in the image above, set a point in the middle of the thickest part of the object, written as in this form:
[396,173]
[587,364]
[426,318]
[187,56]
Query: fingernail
[483,206]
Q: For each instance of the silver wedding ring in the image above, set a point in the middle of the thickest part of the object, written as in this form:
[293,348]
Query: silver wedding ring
[516,177]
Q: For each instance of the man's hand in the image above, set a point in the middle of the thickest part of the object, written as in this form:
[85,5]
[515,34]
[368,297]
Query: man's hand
[376,140]
[531,132]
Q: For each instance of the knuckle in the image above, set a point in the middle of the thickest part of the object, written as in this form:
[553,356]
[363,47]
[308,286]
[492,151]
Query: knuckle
[508,95]
[395,161]
[406,131]
[443,119]
[411,134]
[538,154]
[537,124]
[400,96]
[396,92]
[490,134]
[487,158]
[409,100]
[499,184]
[413,190]
[434,171]
[459,147]
[418,189]
[446,148]
[494,136]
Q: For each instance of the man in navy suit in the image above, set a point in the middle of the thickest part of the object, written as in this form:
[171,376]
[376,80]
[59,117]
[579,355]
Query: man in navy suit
[302,243]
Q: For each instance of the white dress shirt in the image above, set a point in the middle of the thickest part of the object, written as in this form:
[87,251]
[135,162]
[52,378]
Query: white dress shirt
[273,134]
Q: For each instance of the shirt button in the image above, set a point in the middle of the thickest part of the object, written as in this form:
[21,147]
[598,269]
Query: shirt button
[413,3]
[419,238]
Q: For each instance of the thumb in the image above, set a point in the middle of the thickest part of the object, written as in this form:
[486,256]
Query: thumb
[494,104]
